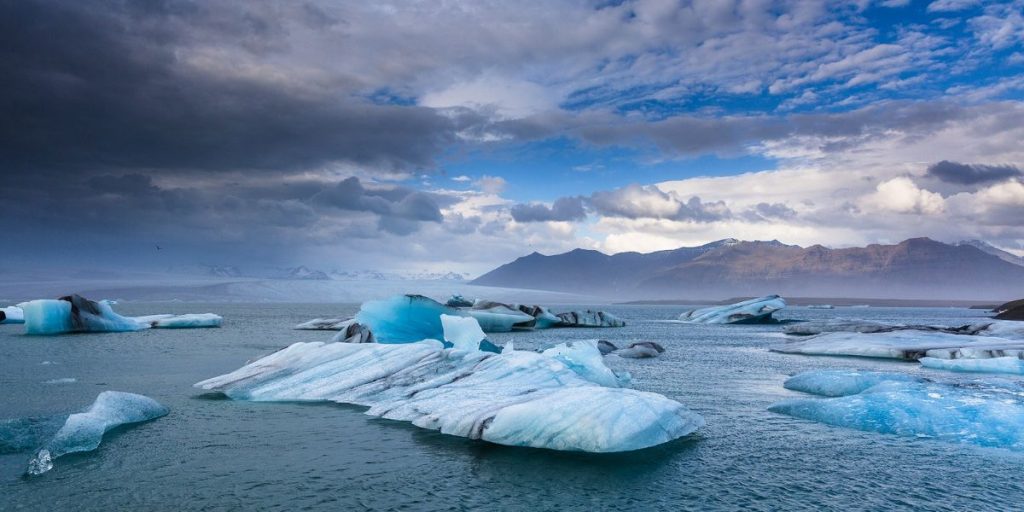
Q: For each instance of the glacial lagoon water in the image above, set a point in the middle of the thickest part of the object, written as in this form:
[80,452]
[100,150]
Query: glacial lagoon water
[224,455]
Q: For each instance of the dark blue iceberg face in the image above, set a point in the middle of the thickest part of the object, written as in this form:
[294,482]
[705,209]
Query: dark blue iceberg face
[983,413]
[410,319]
[55,436]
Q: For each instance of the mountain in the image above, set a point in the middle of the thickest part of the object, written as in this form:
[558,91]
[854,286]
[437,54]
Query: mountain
[995,251]
[918,268]
[305,273]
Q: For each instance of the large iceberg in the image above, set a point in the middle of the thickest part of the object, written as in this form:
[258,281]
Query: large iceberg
[75,313]
[984,414]
[12,315]
[870,327]
[751,311]
[516,398]
[404,318]
[55,436]
[909,345]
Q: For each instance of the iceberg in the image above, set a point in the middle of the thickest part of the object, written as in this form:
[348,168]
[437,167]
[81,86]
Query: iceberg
[606,347]
[516,398]
[53,437]
[869,327]
[405,318]
[590,318]
[12,315]
[464,333]
[584,358]
[74,314]
[323,324]
[1006,364]
[908,345]
[354,332]
[753,311]
[543,319]
[820,306]
[458,301]
[983,414]
[188,321]
[497,317]
[834,383]
[641,350]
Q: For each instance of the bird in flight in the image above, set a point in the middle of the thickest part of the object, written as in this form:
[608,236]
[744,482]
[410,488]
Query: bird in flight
[158,247]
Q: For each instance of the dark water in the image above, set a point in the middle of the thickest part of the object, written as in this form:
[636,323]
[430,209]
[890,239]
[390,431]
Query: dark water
[224,455]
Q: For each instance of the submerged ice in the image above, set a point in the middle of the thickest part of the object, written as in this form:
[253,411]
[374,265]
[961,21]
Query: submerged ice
[981,413]
[55,436]
[554,400]
[751,311]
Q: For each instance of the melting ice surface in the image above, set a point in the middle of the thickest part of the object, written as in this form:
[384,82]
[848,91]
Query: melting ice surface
[910,344]
[516,398]
[1006,364]
[757,310]
[981,413]
[55,436]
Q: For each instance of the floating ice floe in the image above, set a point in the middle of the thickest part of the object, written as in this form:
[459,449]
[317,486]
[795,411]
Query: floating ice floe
[641,350]
[907,344]
[751,311]
[497,317]
[543,319]
[12,315]
[820,306]
[562,399]
[1006,364]
[589,318]
[870,327]
[75,313]
[354,332]
[56,436]
[407,319]
[981,413]
[324,324]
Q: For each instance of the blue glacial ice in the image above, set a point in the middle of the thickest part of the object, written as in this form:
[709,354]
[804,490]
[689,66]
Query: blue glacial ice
[842,382]
[405,318]
[585,359]
[12,315]
[55,436]
[751,311]
[74,314]
[464,333]
[1006,364]
[516,398]
[981,413]
[77,314]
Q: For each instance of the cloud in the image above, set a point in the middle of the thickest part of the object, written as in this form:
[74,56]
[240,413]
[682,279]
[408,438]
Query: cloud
[462,179]
[563,209]
[648,201]
[491,184]
[951,5]
[971,174]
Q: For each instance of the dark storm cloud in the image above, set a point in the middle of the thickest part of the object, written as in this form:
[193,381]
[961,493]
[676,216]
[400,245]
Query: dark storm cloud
[110,85]
[400,203]
[563,209]
[971,174]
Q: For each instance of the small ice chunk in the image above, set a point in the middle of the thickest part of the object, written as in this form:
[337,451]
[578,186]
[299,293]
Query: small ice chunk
[606,347]
[62,380]
[354,332]
[841,382]
[496,317]
[641,350]
[458,301]
[189,321]
[323,324]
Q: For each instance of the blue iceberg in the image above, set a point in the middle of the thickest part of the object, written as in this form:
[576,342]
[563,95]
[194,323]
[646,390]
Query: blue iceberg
[751,311]
[515,398]
[1006,364]
[55,436]
[404,318]
[984,414]
[74,314]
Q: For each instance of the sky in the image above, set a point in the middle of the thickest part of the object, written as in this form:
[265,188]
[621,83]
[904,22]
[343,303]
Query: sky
[456,136]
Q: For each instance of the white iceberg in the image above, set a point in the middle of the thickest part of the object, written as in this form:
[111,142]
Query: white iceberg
[984,414]
[84,431]
[585,359]
[187,321]
[751,311]
[870,327]
[12,315]
[1006,364]
[323,324]
[641,350]
[902,344]
[497,317]
[589,318]
[463,333]
[515,398]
